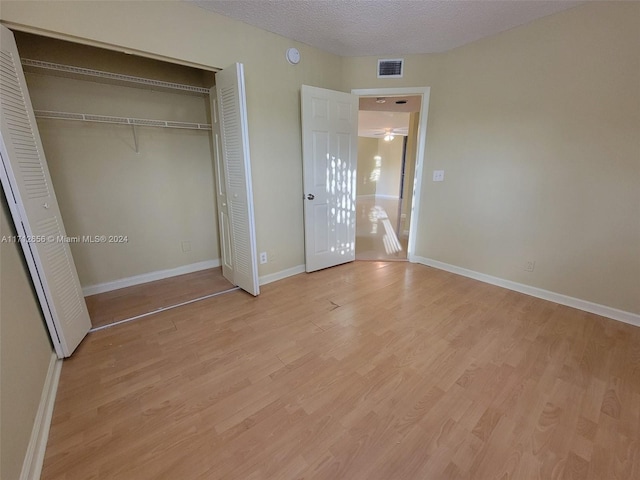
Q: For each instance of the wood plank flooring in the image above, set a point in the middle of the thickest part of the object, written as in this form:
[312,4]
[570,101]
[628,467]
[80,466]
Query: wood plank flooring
[377,235]
[109,307]
[367,371]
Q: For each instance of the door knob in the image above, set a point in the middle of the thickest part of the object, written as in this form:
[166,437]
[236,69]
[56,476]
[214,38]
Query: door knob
[45,205]
[311,196]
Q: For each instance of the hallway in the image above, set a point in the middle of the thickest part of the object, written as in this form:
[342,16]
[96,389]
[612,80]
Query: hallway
[379,236]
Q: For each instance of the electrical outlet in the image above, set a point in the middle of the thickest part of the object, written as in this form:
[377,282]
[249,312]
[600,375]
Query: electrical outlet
[438,175]
[263,257]
[186,246]
[530,266]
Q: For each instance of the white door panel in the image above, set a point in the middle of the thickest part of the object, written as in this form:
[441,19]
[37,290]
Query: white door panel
[27,185]
[221,191]
[236,215]
[329,147]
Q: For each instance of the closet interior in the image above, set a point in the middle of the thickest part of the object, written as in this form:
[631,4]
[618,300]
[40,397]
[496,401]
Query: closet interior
[129,148]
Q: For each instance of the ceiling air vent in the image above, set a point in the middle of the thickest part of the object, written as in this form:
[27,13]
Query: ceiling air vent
[390,68]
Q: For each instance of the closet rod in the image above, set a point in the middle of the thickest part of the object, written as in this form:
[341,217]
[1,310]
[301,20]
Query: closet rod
[86,117]
[57,67]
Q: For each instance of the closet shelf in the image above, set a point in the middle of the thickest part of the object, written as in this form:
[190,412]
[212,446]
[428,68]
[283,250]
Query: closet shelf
[34,65]
[85,117]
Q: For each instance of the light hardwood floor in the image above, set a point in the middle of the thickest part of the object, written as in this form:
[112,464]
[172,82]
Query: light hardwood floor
[374,217]
[371,371]
[109,307]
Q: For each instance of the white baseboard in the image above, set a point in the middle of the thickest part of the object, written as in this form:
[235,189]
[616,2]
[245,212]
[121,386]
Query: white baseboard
[34,457]
[373,196]
[392,197]
[148,277]
[274,277]
[603,310]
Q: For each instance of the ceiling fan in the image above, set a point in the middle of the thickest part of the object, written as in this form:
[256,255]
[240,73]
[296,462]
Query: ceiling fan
[389,134]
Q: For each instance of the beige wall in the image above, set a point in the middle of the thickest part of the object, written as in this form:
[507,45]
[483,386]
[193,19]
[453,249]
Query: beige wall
[25,352]
[391,152]
[367,150]
[158,198]
[537,131]
[182,31]
[388,182]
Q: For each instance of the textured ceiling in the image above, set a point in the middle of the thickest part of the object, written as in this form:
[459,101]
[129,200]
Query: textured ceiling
[385,27]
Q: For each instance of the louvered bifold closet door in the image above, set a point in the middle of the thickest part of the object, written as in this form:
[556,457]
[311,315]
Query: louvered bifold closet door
[232,111]
[34,208]
[224,223]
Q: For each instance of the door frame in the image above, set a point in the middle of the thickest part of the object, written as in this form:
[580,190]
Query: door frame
[425,92]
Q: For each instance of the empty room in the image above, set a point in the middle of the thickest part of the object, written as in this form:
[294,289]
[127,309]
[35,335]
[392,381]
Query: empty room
[213,267]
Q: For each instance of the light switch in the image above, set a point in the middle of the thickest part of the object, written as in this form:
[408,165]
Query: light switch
[438,175]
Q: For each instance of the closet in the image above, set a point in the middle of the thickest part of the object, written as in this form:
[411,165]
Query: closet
[149,182]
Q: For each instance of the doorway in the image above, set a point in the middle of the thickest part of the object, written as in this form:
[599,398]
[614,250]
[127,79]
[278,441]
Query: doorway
[412,201]
[139,194]
[387,147]
[329,159]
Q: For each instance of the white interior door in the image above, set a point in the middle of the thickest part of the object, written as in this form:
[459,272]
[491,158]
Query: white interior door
[329,159]
[233,166]
[34,208]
